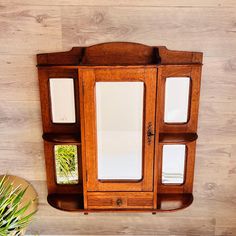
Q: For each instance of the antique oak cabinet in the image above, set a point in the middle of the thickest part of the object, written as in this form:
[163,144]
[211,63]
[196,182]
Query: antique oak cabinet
[120,127]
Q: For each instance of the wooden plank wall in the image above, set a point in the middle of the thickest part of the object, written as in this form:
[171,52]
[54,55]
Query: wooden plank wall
[28,27]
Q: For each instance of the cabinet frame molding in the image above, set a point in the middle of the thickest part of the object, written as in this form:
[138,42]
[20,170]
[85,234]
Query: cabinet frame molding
[119,61]
[44,75]
[194,73]
[111,74]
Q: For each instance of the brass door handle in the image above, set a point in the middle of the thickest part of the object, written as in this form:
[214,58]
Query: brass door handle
[150,132]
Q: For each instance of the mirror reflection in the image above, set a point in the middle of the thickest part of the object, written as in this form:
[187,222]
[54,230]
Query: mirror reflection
[62,100]
[66,161]
[119,119]
[173,164]
[176,99]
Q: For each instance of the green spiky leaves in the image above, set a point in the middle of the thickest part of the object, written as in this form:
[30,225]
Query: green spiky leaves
[12,211]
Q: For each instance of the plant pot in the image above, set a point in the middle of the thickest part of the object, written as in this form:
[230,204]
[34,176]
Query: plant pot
[30,195]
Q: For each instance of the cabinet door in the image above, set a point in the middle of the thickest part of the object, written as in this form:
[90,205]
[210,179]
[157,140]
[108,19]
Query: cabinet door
[118,127]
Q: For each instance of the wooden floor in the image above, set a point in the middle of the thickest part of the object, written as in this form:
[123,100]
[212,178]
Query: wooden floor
[28,27]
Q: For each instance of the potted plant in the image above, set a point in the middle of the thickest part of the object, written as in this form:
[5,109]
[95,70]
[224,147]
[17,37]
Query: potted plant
[18,204]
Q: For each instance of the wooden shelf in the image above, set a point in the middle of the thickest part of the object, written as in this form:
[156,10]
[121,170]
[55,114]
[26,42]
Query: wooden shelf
[66,202]
[177,138]
[173,202]
[119,53]
[62,138]
[74,202]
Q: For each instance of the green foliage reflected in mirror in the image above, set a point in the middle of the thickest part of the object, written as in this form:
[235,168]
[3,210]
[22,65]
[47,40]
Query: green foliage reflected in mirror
[66,160]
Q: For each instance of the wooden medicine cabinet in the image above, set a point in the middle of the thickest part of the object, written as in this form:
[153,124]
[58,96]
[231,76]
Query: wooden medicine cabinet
[120,127]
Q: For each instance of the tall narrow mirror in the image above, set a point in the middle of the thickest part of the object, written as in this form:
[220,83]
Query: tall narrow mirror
[173,164]
[119,119]
[62,100]
[176,99]
[66,162]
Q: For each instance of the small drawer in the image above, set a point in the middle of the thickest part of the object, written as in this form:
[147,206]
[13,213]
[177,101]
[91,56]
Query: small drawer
[118,200]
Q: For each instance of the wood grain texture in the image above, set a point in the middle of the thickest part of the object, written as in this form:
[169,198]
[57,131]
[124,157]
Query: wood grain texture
[20,121]
[111,200]
[207,26]
[29,29]
[89,78]
[18,83]
[185,28]
[141,3]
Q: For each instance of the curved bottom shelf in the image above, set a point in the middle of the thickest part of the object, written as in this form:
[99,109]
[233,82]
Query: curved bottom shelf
[66,202]
[173,202]
[165,202]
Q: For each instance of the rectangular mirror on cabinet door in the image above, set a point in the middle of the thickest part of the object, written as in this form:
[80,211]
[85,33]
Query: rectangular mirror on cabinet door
[62,100]
[66,162]
[119,119]
[176,99]
[173,164]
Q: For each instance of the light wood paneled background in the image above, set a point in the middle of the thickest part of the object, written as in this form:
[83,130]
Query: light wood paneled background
[28,27]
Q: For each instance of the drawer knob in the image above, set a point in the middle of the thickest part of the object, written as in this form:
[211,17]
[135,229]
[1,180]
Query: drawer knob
[118,202]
